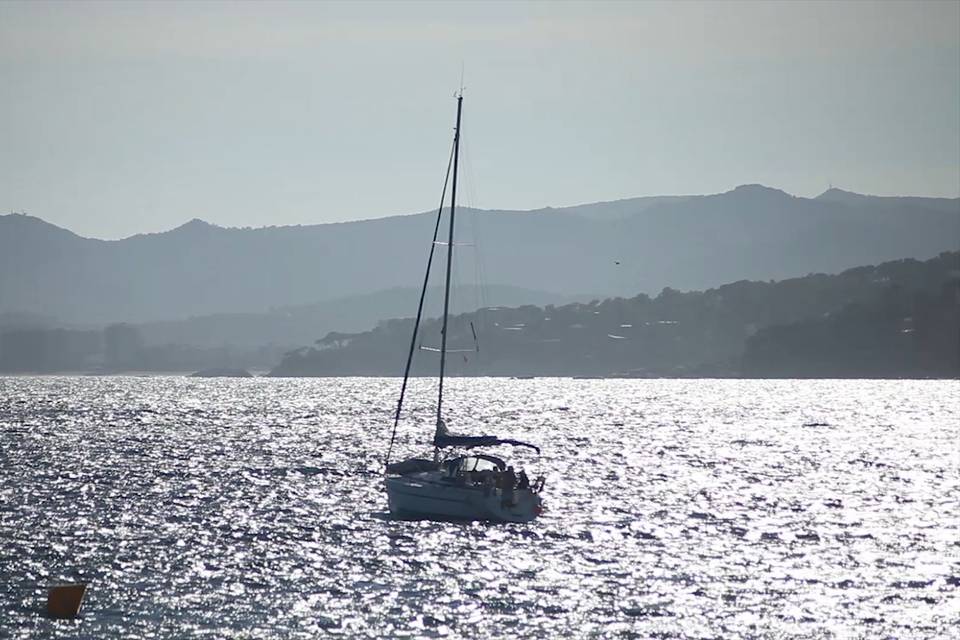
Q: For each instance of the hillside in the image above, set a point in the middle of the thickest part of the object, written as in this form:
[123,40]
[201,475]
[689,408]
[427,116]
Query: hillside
[302,324]
[613,248]
[904,312]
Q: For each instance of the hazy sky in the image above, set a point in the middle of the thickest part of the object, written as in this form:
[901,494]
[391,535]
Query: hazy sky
[120,118]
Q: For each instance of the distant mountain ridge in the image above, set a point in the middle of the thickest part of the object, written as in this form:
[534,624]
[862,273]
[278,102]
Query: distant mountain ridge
[834,194]
[621,247]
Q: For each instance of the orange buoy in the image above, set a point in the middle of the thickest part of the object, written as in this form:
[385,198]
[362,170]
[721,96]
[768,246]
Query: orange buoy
[64,600]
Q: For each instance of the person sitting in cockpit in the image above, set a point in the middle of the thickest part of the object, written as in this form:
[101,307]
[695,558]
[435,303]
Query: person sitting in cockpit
[524,481]
[509,479]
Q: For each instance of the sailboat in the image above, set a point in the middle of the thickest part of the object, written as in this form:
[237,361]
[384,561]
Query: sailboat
[458,482]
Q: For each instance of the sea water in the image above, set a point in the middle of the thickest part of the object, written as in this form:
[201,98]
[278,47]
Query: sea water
[255,508]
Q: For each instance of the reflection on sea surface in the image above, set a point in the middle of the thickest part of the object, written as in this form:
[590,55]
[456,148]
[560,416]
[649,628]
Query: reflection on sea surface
[675,508]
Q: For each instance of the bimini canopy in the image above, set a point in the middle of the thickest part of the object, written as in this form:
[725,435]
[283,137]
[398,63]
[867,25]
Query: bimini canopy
[443,438]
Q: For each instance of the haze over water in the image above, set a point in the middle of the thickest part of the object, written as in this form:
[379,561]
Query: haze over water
[675,508]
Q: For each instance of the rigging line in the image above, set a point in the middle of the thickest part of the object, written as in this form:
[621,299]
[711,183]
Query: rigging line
[416,324]
[481,293]
[469,208]
[459,296]
[479,275]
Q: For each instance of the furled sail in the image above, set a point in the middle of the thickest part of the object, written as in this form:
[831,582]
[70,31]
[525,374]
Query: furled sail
[443,438]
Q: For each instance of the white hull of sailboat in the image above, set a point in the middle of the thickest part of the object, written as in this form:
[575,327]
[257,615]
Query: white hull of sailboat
[426,495]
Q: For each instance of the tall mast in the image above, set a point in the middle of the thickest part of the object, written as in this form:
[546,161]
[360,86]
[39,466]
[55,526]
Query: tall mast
[446,291]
